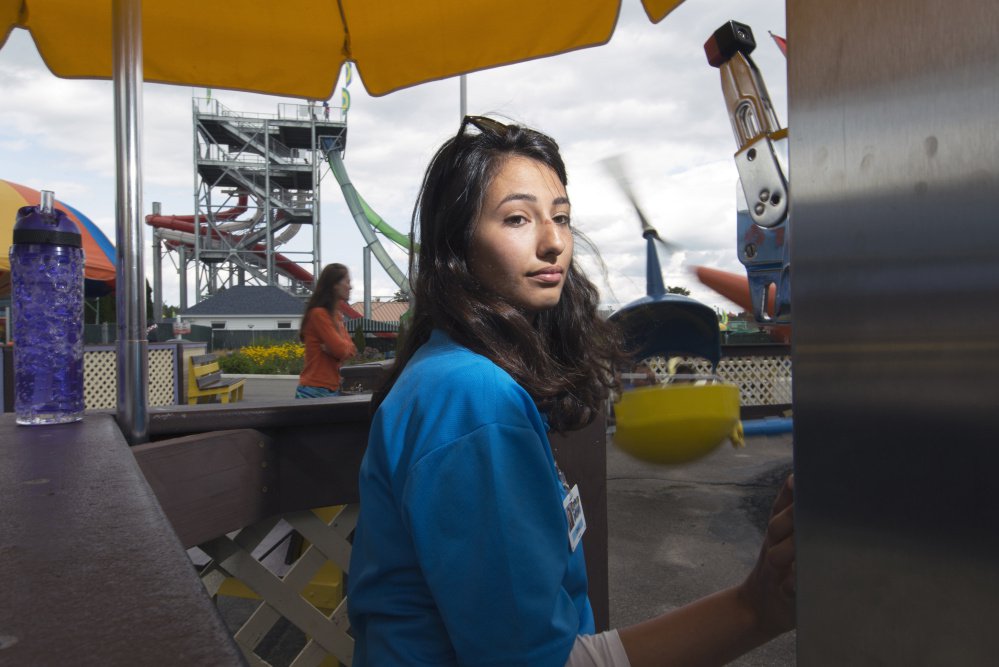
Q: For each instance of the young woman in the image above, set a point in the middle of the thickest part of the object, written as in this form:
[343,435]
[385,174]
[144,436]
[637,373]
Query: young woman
[327,343]
[463,553]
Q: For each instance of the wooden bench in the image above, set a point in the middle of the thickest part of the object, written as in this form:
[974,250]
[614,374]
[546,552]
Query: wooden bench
[204,379]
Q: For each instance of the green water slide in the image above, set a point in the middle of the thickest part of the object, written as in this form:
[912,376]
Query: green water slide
[367,221]
[390,232]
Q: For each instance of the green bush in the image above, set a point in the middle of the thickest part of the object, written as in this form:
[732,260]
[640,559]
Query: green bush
[281,367]
[359,341]
[237,363]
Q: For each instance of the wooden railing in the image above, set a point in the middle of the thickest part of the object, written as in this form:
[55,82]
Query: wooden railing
[93,572]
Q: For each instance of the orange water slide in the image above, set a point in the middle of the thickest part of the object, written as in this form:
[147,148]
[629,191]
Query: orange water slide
[185,225]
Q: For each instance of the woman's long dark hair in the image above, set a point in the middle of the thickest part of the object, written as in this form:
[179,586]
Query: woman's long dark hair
[565,357]
[324,296]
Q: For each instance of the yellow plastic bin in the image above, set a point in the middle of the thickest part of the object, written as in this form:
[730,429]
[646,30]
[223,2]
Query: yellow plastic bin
[677,423]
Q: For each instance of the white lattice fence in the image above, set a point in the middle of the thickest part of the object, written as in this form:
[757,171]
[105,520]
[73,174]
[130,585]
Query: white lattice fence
[281,592]
[100,377]
[762,380]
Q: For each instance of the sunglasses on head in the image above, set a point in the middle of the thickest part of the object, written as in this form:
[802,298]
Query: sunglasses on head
[483,124]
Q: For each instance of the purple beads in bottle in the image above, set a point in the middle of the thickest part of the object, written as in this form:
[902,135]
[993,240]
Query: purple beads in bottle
[46,271]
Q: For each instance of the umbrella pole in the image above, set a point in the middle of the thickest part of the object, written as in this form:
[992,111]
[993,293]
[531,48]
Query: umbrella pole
[132,413]
[462,98]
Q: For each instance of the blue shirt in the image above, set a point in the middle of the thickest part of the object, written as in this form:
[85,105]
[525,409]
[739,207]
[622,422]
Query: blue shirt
[461,554]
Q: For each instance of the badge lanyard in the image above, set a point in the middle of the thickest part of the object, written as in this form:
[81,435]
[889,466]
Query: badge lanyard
[573,507]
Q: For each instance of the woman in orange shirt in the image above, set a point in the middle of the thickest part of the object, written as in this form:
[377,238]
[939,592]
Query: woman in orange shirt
[327,343]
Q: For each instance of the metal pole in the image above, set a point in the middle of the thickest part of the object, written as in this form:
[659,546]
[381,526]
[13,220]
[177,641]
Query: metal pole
[182,263]
[462,97]
[269,255]
[157,269]
[132,413]
[367,282]
[197,222]
[316,199]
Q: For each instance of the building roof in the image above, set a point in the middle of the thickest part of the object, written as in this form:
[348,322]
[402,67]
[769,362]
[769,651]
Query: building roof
[248,300]
[371,326]
[384,311]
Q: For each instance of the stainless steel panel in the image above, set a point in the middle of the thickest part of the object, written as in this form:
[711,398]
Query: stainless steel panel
[894,122]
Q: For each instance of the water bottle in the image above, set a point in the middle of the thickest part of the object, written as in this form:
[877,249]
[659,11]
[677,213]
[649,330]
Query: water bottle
[46,274]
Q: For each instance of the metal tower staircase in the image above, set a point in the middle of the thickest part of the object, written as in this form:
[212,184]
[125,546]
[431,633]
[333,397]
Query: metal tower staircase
[256,187]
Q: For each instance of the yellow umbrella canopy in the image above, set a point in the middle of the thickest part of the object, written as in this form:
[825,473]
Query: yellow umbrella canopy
[296,47]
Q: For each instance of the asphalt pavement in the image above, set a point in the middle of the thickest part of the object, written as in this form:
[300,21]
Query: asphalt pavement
[678,533]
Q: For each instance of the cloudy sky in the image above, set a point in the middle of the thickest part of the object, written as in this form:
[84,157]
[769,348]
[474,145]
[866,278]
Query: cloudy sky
[648,95]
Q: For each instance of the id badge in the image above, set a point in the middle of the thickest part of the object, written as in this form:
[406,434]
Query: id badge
[574,516]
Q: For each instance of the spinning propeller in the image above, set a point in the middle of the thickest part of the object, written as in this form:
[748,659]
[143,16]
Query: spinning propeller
[661,323]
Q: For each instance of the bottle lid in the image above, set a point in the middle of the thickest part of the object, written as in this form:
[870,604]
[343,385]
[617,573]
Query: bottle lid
[45,224]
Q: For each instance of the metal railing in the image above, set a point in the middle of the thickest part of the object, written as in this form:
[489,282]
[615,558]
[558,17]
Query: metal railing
[286,111]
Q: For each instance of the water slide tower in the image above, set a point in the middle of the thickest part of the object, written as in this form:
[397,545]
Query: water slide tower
[256,186]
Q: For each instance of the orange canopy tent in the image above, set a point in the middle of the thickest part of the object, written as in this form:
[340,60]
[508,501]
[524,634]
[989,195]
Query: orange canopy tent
[98,271]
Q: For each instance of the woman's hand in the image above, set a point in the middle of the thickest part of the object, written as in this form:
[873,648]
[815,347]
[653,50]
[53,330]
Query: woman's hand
[769,590]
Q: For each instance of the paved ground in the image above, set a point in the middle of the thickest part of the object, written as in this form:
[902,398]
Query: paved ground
[676,533]
[679,533]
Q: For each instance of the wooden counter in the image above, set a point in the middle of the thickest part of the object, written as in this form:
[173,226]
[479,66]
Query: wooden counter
[91,573]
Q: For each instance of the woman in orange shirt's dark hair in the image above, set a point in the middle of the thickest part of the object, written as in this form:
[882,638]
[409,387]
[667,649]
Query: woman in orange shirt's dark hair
[327,343]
